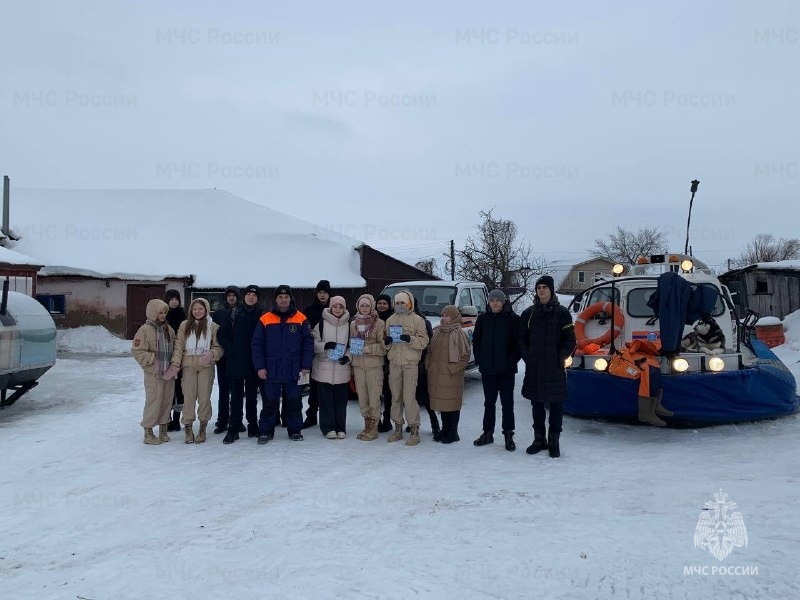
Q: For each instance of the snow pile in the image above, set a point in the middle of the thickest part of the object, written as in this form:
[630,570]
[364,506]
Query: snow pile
[92,339]
[768,321]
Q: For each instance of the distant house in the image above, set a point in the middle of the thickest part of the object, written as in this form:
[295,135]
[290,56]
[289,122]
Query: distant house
[770,288]
[19,270]
[106,253]
[582,275]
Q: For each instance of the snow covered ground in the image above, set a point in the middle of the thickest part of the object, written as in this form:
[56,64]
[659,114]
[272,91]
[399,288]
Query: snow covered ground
[90,512]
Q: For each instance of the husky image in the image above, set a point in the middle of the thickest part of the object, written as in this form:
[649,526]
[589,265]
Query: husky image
[707,337]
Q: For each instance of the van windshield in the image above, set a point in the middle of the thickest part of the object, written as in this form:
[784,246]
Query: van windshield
[430,299]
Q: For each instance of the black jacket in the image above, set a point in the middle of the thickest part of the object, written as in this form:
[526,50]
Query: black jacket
[235,335]
[176,316]
[547,338]
[495,342]
[313,312]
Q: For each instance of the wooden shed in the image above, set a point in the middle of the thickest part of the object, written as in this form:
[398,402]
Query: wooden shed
[770,289]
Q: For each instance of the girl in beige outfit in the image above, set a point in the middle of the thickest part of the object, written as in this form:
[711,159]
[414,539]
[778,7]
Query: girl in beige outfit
[152,349]
[446,361]
[369,329]
[196,352]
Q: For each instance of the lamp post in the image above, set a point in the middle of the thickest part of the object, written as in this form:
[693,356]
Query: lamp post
[692,189]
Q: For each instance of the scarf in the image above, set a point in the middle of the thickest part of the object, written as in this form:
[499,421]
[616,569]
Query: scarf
[163,347]
[365,324]
[457,342]
[195,346]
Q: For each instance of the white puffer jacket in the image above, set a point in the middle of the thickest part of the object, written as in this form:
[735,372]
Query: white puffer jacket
[336,330]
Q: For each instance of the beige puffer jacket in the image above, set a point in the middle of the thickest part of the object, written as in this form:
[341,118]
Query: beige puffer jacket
[407,353]
[336,330]
[143,346]
[179,355]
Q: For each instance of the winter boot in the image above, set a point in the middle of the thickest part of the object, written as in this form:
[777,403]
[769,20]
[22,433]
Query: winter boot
[539,443]
[220,427]
[552,445]
[450,428]
[647,413]
[510,445]
[149,437]
[372,432]
[398,433]
[189,434]
[162,432]
[310,420]
[413,439]
[201,435]
[360,435]
[252,430]
[230,437]
[386,424]
[487,437]
[660,410]
[175,423]
[434,425]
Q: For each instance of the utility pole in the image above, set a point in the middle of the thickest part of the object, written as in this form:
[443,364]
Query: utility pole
[452,259]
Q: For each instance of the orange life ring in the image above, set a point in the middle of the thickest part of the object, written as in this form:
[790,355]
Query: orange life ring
[590,311]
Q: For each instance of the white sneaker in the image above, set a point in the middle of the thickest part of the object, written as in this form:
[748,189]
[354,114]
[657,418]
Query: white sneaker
[341,435]
[331,435]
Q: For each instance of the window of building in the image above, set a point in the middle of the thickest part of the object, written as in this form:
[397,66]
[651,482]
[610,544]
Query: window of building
[54,303]
[581,277]
[762,285]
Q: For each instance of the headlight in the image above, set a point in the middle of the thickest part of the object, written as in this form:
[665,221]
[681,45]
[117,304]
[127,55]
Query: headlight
[681,365]
[716,364]
[568,362]
[686,265]
[601,364]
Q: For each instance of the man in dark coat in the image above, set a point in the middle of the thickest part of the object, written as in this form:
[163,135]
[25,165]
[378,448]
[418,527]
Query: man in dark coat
[547,339]
[232,298]
[283,350]
[235,335]
[313,312]
[495,345]
[383,306]
[175,316]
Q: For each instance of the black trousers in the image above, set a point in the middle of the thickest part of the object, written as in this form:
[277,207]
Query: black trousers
[386,394]
[292,403]
[332,407]
[313,398]
[224,398]
[556,416]
[243,389]
[492,386]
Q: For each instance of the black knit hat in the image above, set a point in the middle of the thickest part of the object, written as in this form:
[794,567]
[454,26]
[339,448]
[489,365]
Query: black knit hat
[172,293]
[323,286]
[253,289]
[283,289]
[386,297]
[548,281]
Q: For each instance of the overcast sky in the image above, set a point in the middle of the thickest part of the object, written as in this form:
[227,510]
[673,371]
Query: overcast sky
[398,123]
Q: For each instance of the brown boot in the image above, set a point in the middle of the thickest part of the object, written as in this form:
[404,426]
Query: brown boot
[162,432]
[189,439]
[149,437]
[371,430]
[360,435]
[397,435]
[660,410]
[201,435]
[413,439]
[647,406]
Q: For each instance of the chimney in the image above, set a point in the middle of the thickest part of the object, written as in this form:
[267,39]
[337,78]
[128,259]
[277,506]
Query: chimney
[6,184]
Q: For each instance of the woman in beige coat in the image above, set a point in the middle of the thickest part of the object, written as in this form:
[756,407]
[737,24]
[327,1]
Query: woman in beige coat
[152,349]
[446,361]
[196,352]
[367,331]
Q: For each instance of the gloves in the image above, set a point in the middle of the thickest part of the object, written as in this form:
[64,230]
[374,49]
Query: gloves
[344,360]
[387,340]
[206,358]
[171,372]
[405,338]
[330,345]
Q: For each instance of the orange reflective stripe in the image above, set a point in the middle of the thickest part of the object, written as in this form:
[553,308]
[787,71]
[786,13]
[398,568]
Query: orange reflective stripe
[271,318]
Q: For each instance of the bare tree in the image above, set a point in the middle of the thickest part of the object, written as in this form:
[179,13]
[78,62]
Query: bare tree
[626,246]
[765,248]
[496,258]
[426,264]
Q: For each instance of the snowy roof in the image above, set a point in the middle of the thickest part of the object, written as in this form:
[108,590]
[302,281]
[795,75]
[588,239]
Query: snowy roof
[10,257]
[778,265]
[216,236]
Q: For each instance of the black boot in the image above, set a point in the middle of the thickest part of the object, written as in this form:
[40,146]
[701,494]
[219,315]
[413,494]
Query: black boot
[220,427]
[510,445]
[434,425]
[175,423]
[487,437]
[230,437]
[449,432]
[311,420]
[252,430]
[386,424]
[539,443]
[552,445]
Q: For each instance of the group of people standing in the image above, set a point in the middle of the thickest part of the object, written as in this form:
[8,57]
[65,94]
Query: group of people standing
[397,362]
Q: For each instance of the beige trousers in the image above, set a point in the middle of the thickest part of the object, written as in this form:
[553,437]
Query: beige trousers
[197,382]
[403,383]
[369,385]
[157,399]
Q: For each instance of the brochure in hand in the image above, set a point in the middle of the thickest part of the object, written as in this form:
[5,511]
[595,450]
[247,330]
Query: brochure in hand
[395,331]
[336,353]
[356,346]
[303,379]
